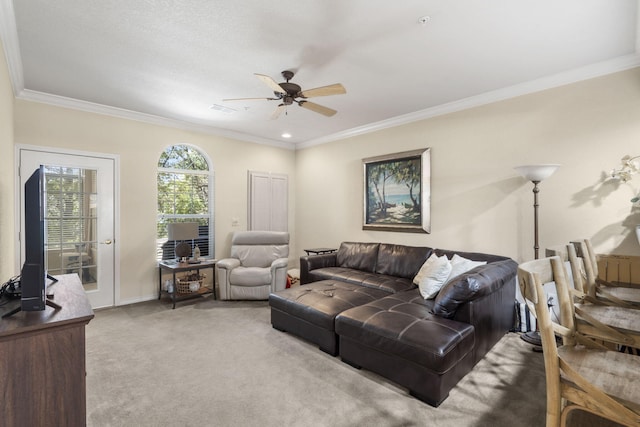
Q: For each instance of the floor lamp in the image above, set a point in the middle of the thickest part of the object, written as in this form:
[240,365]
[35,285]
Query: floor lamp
[535,174]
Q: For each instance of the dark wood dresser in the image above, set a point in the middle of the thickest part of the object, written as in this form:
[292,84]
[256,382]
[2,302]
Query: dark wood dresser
[42,360]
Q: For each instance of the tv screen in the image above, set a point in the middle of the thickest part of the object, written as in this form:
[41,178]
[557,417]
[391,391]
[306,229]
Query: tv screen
[33,279]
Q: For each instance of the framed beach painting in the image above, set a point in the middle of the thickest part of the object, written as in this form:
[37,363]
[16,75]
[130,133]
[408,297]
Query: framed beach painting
[397,194]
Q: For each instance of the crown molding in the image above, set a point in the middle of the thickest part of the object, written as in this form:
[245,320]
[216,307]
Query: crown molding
[561,79]
[91,107]
[9,39]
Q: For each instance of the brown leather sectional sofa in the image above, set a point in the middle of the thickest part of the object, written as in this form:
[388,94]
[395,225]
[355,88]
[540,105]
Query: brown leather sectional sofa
[361,303]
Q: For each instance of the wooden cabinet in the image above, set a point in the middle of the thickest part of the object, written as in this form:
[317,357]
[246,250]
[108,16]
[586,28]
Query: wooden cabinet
[42,360]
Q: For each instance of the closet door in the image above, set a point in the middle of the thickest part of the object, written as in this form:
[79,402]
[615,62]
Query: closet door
[268,201]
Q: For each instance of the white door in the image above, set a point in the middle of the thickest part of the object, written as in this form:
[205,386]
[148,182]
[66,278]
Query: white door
[79,217]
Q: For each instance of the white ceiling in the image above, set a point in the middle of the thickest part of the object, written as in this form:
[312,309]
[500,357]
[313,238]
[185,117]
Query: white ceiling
[169,61]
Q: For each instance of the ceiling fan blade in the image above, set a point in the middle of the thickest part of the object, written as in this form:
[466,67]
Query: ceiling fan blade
[271,83]
[335,89]
[250,99]
[317,108]
[279,109]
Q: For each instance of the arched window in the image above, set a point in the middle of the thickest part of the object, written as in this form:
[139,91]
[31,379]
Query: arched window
[185,185]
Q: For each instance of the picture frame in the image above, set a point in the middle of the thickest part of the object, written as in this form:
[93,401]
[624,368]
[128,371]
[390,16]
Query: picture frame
[397,192]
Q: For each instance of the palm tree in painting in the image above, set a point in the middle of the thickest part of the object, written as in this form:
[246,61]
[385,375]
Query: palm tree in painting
[393,174]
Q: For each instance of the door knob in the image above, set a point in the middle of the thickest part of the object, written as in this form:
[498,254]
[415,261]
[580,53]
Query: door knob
[107,242]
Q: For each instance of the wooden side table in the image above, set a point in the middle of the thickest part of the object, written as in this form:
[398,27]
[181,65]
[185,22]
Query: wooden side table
[177,267]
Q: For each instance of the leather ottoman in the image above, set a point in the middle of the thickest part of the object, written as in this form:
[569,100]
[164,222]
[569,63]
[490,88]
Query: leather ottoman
[399,338]
[309,311]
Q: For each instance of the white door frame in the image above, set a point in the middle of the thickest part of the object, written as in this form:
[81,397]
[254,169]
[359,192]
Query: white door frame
[116,204]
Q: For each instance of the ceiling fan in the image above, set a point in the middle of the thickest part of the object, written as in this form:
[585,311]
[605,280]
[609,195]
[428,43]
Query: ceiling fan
[288,93]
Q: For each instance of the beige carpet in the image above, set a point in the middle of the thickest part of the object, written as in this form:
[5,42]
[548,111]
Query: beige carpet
[214,363]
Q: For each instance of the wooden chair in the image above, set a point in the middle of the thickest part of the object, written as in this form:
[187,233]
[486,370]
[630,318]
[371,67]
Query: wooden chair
[601,319]
[594,315]
[580,374]
[623,295]
[580,288]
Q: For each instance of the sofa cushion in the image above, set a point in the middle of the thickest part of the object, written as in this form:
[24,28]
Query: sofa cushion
[383,282]
[250,276]
[473,284]
[359,256]
[320,302]
[400,260]
[403,325]
[432,275]
[461,265]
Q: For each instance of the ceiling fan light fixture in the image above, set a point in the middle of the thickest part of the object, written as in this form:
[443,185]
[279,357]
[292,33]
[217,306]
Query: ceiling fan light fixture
[289,93]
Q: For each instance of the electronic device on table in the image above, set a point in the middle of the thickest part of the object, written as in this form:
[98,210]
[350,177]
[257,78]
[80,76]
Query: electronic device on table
[33,280]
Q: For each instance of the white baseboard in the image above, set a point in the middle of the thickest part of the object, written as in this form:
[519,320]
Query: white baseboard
[136,300]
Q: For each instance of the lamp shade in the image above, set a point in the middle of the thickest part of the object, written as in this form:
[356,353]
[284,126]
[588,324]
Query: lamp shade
[537,173]
[182,230]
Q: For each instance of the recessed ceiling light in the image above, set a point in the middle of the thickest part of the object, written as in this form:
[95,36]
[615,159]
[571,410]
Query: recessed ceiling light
[286,135]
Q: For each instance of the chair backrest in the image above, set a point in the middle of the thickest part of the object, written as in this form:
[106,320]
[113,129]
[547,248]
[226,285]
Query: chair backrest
[565,370]
[584,251]
[259,248]
[578,270]
[560,250]
[532,276]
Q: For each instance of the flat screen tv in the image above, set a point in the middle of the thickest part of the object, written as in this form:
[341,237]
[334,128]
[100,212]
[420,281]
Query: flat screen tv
[33,280]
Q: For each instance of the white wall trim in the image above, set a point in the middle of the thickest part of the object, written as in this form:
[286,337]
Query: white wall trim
[136,300]
[9,36]
[595,70]
[58,150]
[91,107]
[572,76]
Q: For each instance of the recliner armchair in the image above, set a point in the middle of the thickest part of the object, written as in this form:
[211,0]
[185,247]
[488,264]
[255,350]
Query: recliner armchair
[257,266]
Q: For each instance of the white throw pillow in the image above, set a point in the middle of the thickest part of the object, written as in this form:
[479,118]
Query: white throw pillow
[461,265]
[424,269]
[432,275]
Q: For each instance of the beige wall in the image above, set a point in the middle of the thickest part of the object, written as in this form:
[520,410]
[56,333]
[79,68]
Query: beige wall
[138,146]
[7,215]
[479,202]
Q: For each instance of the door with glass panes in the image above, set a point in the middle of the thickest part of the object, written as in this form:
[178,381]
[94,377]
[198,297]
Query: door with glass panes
[79,218]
